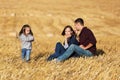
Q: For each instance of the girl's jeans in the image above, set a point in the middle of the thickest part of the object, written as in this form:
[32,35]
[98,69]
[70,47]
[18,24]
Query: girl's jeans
[26,54]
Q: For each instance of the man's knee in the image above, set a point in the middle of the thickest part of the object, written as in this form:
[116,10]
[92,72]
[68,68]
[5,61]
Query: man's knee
[72,45]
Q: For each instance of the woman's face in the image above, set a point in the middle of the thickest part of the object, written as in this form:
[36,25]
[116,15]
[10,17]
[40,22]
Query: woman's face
[27,30]
[68,32]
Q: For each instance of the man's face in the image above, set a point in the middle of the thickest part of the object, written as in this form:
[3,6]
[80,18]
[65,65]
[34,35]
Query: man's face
[77,26]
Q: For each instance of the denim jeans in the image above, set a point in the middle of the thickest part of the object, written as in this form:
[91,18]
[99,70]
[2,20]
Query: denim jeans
[77,50]
[59,50]
[26,54]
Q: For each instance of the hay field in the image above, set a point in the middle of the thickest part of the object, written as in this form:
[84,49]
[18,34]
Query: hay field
[47,19]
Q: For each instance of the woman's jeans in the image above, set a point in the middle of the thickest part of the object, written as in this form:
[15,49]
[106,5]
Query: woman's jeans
[59,50]
[76,49]
[26,54]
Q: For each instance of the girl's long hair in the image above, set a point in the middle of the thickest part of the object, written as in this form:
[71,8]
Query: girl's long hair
[23,29]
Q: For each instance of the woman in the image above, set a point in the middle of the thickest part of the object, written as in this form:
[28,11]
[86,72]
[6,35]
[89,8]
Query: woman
[69,35]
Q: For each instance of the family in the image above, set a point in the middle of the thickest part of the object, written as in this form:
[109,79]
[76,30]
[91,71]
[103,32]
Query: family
[78,42]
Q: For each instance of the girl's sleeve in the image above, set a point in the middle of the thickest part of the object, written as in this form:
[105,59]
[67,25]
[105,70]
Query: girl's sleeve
[27,39]
[30,38]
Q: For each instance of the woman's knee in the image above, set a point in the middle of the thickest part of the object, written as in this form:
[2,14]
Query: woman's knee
[58,44]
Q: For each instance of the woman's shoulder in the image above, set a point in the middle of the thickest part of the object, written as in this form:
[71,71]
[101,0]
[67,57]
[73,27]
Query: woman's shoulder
[73,37]
[74,40]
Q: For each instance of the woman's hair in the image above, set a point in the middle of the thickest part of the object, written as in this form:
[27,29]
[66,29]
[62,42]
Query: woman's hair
[68,26]
[23,29]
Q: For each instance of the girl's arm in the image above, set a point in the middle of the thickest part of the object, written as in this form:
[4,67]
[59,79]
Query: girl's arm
[30,38]
[26,38]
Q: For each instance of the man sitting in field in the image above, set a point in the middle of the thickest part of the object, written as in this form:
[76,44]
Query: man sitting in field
[87,42]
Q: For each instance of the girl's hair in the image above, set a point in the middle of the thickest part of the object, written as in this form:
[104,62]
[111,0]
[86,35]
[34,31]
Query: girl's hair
[68,26]
[23,29]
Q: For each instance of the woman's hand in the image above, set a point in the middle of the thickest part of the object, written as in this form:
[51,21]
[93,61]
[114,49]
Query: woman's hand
[67,36]
[66,39]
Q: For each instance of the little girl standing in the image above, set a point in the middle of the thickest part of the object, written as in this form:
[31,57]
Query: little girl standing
[26,38]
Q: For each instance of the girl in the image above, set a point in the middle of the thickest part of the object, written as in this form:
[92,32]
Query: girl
[69,35]
[26,37]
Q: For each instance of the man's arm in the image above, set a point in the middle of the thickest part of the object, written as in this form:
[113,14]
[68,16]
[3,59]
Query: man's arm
[86,47]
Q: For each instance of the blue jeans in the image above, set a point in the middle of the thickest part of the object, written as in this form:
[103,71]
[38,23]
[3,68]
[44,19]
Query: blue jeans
[77,50]
[26,54]
[59,50]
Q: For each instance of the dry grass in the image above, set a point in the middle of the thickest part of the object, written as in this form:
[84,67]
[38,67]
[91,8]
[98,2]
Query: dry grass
[47,19]
[103,67]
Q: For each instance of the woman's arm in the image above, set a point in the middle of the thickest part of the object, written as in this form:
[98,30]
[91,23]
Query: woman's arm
[66,43]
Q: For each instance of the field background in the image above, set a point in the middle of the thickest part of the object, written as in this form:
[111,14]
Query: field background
[47,19]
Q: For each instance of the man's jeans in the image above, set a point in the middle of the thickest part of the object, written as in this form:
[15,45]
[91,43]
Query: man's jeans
[71,49]
[26,54]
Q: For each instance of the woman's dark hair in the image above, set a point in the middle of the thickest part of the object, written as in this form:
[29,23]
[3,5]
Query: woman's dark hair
[23,29]
[68,26]
[79,20]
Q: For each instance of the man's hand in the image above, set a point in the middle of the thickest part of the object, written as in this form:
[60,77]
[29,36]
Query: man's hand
[82,46]
[86,47]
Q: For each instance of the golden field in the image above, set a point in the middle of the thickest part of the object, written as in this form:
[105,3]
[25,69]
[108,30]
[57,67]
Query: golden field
[47,20]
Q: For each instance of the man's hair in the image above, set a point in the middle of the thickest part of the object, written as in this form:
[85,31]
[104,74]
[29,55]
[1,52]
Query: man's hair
[79,20]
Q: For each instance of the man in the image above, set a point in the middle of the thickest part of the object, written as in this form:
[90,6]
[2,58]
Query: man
[87,42]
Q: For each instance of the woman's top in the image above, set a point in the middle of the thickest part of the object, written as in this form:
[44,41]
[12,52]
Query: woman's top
[71,40]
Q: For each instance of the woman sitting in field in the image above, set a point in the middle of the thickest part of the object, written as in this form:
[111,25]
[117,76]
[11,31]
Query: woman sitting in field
[69,35]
